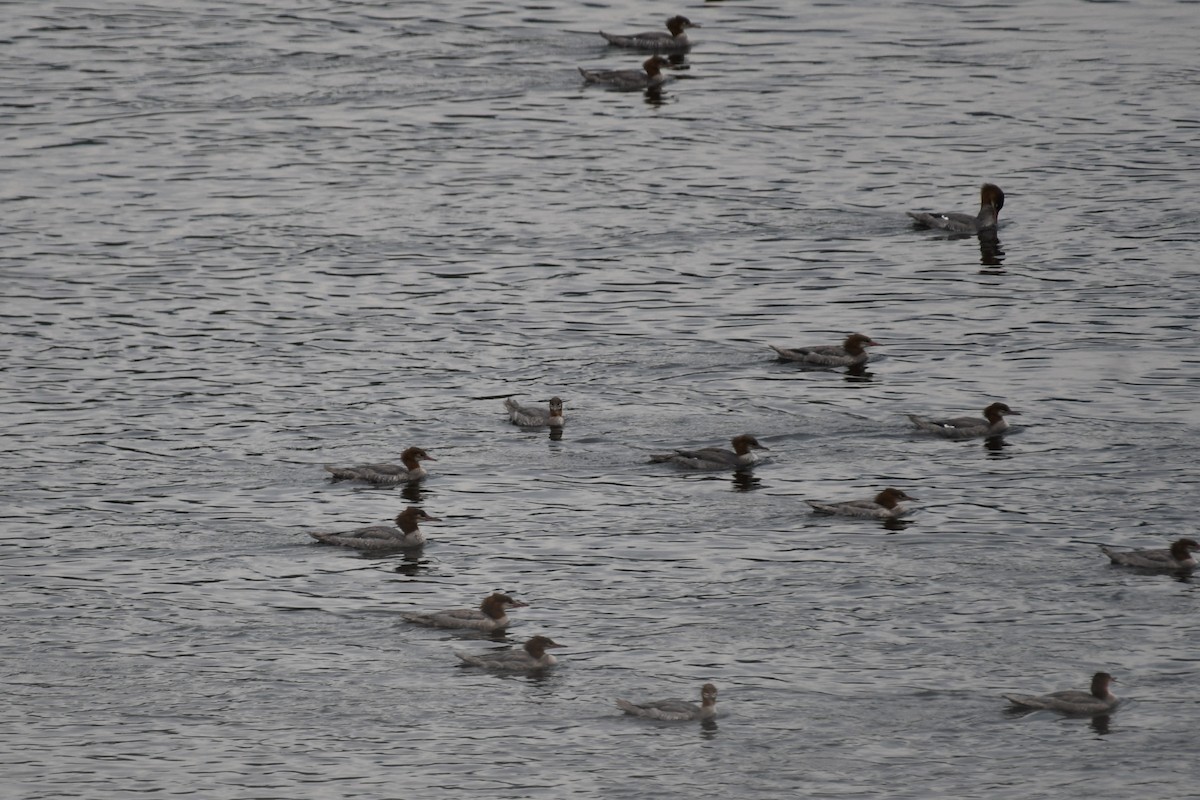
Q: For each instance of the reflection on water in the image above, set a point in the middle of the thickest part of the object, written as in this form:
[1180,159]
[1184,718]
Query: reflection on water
[195,267]
[996,446]
[858,373]
[412,564]
[414,492]
[990,252]
[744,480]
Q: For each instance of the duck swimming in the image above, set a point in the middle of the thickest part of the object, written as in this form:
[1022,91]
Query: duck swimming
[885,505]
[378,538]
[992,423]
[532,656]
[990,202]
[675,710]
[490,616]
[1098,700]
[849,353]
[532,417]
[714,457]
[409,469]
[1177,558]
[648,77]
[675,40]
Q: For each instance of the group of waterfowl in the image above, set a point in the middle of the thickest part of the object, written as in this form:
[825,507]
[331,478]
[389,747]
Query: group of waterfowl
[672,41]
[492,614]
[852,353]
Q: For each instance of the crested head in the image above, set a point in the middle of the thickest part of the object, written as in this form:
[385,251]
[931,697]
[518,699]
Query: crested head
[890,498]
[1182,549]
[500,599]
[745,443]
[678,22]
[999,409]
[416,454]
[991,195]
[855,343]
[495,604]
[653,64]
[1100,682]
[407,519]
[538,645]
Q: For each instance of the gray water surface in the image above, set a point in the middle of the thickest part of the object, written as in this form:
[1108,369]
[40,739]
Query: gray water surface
[243,240]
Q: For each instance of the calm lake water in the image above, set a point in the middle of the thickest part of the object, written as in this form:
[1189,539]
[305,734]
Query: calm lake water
[246,239]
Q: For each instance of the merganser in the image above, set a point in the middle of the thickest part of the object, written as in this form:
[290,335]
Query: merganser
[714,457]
[847,354]
[409,469]
[674,41]
[675,710]
[490,616]
[990,203]
[1098,701]
[1177,558]
[649,76]
[992,424]
[377,537]
[530,417]
[531,656]
[885,505]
